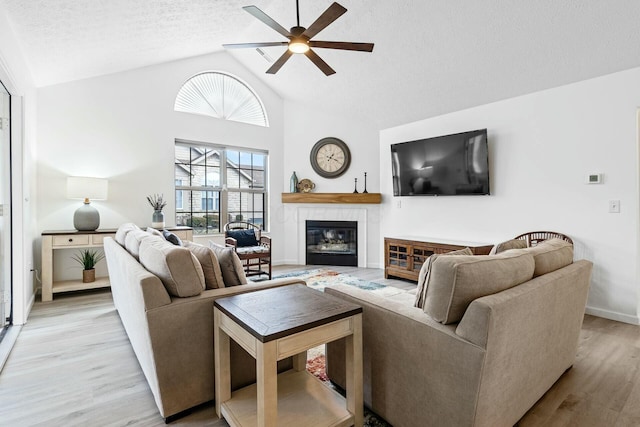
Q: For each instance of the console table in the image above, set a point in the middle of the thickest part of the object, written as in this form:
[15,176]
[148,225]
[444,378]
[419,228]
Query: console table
[53,240]
[404,256]
[274,324]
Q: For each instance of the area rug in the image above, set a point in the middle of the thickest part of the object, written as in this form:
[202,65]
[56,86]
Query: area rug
[316,367]
[320,278]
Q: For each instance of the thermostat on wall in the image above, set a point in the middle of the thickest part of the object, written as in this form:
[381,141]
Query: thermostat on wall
[594,178]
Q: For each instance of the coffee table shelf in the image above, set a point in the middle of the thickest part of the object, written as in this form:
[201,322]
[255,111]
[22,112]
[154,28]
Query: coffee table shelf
[302,401]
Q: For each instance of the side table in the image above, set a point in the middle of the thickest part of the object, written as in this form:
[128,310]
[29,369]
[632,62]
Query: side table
[274,324]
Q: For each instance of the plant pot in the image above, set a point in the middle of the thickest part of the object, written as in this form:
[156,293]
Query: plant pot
[89,276]
[157,221]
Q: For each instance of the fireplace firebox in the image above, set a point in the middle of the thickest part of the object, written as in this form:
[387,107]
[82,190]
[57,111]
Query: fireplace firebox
[332,243]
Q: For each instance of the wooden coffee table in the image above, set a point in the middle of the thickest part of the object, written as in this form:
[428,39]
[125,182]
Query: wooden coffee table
[274,324]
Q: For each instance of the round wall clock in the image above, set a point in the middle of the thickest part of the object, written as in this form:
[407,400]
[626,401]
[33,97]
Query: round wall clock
[330,157]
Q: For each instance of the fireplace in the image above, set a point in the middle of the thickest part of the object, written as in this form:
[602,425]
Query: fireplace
[332,243]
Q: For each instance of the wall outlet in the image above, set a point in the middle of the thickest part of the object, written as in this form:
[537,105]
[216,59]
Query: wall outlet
[614,206]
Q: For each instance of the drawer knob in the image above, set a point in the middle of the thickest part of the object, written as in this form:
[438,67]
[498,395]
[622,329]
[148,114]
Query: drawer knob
[71,240]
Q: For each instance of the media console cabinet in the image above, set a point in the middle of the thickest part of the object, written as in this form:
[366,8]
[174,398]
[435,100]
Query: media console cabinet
[404,256]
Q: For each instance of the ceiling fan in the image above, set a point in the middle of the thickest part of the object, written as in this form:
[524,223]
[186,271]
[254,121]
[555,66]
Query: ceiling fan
[300,38]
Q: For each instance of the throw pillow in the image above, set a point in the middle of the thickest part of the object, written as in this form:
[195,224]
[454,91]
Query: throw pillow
[133,240]
[509,244]
[423,278]
[244,237]
[172,238]
[122,231]
[455,281]
[230,265]
[177,268]
[550,255]
[209,262]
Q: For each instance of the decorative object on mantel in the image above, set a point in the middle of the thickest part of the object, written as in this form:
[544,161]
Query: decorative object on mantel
[355,189]
[305,185]
[365,183]
[88,259]
[86,217]
[157,203]
[293,183]
[330,157]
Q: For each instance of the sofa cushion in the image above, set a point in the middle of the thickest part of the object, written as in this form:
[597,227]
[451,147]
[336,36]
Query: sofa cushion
[154,231]
[134,238]
[423,278]
[231,266]
[455,281]
[209,263]
[122,231]
[509,244]
[178,269]
[549,255]
[244,237]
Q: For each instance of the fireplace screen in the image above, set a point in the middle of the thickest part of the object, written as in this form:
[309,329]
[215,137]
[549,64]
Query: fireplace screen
[332,243]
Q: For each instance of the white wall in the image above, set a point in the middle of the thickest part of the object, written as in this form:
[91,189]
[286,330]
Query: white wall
[122,127]
[15,75]
[304,126]
[541,147]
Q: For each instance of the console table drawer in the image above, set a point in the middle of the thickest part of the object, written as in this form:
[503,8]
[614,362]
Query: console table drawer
[71,240]
[98,239]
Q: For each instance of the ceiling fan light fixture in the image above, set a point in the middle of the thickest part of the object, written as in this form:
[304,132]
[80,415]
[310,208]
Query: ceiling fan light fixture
[299,46]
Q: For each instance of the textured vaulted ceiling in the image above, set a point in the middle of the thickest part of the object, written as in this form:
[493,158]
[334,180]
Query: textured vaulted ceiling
[431,56]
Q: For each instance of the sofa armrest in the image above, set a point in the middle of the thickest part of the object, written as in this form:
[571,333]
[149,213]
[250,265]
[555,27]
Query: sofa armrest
[230,241]
[414,368]
[181,345]
[531,332]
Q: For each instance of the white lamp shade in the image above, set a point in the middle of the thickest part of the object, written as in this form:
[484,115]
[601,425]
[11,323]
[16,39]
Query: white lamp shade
[79,187]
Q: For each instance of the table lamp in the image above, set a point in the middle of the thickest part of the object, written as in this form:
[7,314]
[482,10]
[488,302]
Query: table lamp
[86,217]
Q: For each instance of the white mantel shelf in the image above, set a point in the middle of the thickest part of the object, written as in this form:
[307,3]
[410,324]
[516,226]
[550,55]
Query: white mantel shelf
[342,198]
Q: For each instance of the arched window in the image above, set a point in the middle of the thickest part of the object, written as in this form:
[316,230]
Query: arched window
[223,96]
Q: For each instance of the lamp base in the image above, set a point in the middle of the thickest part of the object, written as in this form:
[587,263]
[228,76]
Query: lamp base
[86,218]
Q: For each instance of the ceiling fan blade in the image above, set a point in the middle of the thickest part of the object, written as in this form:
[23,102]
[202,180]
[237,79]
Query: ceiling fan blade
[326,69]
[332,13]
[362,47]
[245,45]
[255,11]
[280,62]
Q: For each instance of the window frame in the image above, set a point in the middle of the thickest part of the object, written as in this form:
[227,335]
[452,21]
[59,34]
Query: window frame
[223,189]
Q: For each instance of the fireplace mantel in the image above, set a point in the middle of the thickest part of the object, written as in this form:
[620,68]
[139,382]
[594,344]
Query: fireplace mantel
[344,198]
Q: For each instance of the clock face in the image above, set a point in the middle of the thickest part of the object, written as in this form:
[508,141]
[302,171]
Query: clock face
[330,157]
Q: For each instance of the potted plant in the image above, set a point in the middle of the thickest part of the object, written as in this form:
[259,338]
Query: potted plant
[88,259]
[157,203]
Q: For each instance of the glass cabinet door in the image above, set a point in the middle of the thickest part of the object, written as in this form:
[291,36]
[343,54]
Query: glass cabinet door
[5,206]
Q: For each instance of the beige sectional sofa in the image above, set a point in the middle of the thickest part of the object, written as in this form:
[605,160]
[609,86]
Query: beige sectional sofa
[172,336]
[465,359]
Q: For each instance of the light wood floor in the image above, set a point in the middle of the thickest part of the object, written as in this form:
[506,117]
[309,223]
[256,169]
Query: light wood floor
[72,365]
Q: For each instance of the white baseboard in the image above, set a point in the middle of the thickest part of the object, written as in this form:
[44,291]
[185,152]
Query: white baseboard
[613,315]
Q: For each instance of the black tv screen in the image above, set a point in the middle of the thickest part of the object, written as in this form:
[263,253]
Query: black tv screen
[446,165]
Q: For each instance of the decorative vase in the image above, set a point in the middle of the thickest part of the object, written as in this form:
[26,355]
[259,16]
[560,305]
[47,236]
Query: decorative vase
[89,276]
[293,183]
[157,221]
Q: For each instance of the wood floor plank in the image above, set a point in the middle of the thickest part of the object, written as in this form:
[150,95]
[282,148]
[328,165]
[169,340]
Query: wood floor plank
[73,365]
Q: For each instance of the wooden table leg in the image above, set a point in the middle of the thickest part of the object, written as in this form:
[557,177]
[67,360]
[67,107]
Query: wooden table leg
[267,384]
[222,363]
[300,361]
[353,364]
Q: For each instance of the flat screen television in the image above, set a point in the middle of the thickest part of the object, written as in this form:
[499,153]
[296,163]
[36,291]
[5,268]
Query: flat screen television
[446,165]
